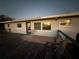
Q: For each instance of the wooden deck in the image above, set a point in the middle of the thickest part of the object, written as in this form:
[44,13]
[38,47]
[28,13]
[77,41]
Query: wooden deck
[38,39]
[19,46]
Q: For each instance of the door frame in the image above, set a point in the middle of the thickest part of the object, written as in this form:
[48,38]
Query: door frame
[27,32]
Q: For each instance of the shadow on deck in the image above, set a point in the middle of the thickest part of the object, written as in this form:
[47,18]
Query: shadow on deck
[19,46]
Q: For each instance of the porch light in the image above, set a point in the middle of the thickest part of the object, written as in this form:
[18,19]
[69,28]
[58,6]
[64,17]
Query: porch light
[67,21]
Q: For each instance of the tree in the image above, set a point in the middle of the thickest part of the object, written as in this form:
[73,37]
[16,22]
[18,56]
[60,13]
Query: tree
[5,18]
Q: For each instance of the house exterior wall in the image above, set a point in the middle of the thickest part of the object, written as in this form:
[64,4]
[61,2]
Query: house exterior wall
[13,27]
[51,33]
[70,30]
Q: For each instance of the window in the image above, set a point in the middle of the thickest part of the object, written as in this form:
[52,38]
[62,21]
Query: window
[46,26]
[64,23]
[37,26]
[19,25]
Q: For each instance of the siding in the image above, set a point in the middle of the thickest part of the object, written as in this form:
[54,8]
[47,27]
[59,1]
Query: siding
[70,30]
[15,29]
[51,33]
[73,29]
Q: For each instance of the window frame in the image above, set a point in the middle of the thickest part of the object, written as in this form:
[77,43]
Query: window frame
[62,23]
[46,29]
[19,25]
[40,26]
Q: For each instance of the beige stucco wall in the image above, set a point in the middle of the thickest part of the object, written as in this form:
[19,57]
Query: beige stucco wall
[51,32]
[70,30]
[73,29]
[15,29]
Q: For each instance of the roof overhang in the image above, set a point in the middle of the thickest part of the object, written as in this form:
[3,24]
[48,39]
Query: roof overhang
[55,17]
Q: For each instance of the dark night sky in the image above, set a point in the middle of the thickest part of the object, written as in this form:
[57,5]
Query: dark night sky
[31,8]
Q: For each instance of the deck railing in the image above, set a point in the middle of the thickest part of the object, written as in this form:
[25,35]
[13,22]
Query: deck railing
[64,40]
[74,42]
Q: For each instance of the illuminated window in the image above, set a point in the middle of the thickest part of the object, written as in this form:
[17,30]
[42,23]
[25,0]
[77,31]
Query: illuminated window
[37,26]
[19,25]
[46,26]
[65,23]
